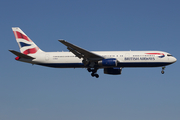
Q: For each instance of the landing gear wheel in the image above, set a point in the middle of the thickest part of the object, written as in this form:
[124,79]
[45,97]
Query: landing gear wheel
[92,74]
[162,70]
[89,69]
[96,75]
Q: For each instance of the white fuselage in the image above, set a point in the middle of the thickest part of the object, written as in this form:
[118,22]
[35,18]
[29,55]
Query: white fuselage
[124,58]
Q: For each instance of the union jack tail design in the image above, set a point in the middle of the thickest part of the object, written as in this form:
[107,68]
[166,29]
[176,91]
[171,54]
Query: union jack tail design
[26,45]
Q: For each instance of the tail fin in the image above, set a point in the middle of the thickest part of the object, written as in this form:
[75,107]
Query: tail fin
[26,45]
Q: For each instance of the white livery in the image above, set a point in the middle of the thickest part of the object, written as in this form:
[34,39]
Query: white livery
[111,61]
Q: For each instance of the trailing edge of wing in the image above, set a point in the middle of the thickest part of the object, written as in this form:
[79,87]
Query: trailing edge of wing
[21,54]
[80,52]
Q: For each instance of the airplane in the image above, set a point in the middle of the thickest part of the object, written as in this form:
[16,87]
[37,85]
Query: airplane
[111,61]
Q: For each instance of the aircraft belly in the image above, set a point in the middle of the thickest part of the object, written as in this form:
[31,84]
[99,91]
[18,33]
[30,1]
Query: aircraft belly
[63,65]
[142,64]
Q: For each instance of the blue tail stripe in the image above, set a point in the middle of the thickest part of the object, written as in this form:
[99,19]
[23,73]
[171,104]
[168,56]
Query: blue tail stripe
[24,44]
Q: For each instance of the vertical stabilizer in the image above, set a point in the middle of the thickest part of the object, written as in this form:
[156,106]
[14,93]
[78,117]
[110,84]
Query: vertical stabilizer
[26,45]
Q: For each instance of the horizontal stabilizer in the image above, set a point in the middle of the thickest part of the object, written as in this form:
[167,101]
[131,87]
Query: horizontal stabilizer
[21,54]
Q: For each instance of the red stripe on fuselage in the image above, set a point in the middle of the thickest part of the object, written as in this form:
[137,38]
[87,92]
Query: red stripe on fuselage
[155,53]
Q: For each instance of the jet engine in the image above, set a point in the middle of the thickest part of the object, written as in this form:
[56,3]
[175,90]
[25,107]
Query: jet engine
[112,71]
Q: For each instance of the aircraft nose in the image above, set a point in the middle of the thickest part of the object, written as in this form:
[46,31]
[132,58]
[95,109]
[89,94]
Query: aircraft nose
[174,60]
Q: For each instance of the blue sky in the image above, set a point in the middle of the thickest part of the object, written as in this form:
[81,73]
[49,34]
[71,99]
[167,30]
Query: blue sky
[42,93]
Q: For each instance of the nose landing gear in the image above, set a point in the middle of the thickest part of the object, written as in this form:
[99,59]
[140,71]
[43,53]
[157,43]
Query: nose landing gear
[162,70]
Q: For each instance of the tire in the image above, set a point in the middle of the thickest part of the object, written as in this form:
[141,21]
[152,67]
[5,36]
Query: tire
[97,76]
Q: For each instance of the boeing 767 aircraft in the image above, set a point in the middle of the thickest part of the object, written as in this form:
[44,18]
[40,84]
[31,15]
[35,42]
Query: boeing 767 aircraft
[111,61]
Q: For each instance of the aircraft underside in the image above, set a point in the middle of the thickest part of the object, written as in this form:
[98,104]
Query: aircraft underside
[81,65]
[116,70]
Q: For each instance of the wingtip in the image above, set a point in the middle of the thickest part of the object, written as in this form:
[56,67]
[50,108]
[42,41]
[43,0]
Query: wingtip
[61,40]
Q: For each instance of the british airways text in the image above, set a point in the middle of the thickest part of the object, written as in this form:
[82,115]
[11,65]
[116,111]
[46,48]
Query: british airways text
[139,58]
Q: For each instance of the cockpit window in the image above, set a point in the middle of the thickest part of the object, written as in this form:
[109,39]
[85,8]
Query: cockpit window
[169,55]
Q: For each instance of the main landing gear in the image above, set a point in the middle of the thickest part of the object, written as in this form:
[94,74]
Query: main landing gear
[93,74]
[162,70]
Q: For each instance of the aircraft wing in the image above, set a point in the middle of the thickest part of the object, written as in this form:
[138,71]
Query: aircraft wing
[81,53]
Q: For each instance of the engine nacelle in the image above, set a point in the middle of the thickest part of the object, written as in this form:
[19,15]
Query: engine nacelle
[108,62]
[112,71]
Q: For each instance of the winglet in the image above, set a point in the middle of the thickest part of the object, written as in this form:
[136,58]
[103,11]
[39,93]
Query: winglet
[21,55]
